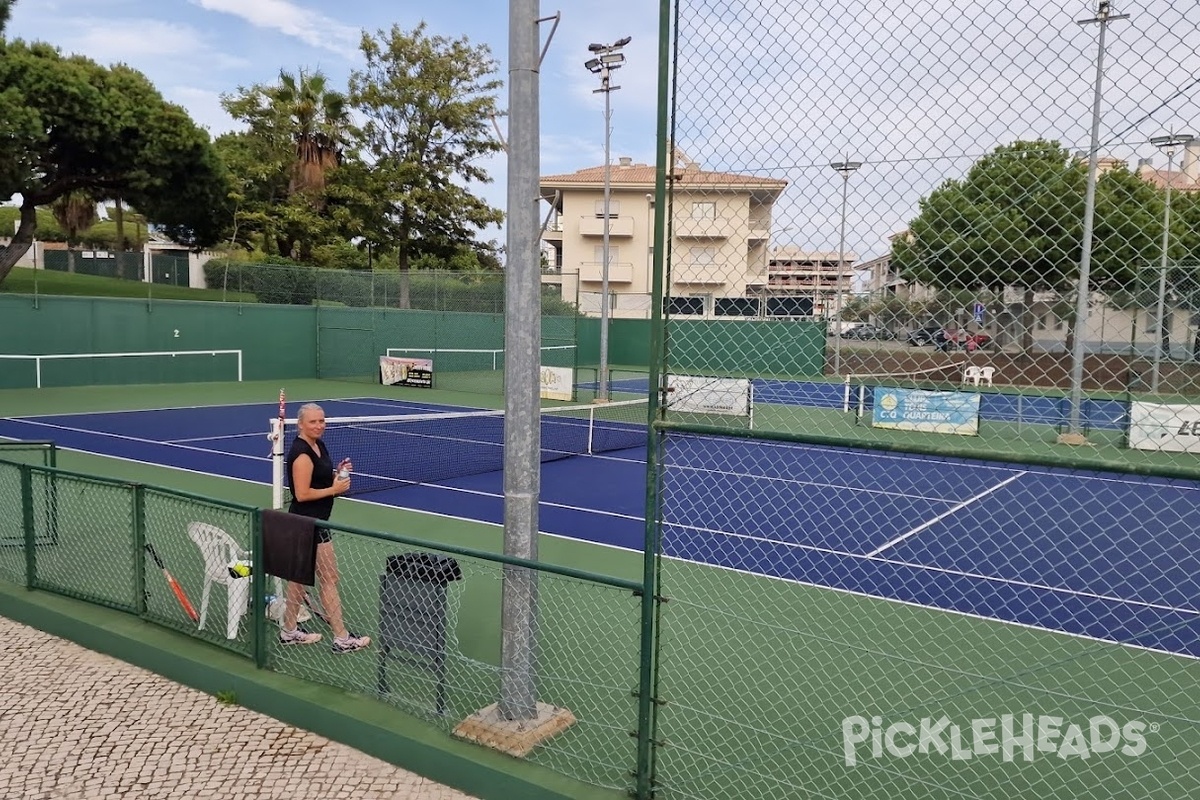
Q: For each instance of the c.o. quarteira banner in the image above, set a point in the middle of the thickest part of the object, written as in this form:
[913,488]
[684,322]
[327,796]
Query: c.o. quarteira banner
[406,371]
[917,410]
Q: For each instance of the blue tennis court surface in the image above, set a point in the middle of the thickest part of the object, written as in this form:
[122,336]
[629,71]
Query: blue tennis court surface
[994,406]
[1040,547]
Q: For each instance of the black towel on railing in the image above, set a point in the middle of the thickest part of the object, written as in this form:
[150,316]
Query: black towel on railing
[289,546]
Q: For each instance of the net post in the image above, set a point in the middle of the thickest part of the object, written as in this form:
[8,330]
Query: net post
[846,394]
[862,401]
[239,359]
[276,437]
[37,368]
[591,429]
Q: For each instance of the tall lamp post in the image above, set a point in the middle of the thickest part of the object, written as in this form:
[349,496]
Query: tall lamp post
[845,169]
[1168,144]
[607,58]
[1074,435]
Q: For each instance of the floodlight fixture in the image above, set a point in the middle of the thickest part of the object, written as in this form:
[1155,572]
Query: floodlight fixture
[1170,142]
[593,64]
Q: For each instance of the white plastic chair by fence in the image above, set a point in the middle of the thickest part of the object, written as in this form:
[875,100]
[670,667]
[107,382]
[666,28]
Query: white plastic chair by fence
[985,375]
[971,375]
[219,549]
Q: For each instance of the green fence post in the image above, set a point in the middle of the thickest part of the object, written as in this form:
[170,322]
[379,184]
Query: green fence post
[258,585]
[27,524]
[139,545]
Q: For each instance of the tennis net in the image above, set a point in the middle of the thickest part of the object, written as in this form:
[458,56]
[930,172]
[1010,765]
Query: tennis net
[399,450]
[858,390]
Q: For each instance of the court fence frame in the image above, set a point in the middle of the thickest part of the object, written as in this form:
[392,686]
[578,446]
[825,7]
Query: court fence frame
[1011,245]
[108,528]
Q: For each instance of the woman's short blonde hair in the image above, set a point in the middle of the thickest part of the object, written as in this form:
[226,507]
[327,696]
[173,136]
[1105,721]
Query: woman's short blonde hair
[307,409]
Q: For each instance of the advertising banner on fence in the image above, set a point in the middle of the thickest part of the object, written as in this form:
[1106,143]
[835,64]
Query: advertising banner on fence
[730,396]
[916,410]
[1160,426]
[558,383]
[406,371]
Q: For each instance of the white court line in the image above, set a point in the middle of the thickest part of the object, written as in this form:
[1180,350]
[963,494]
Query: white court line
[1095,473]
[139,441]
[815,484]
[939,517]
[958,573]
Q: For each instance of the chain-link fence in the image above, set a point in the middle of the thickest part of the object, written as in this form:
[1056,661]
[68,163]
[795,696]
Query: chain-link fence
[433,613]
[958,557]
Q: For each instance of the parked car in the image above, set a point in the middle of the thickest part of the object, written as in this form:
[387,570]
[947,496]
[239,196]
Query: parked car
[927,334]
[962,339]
[868,331]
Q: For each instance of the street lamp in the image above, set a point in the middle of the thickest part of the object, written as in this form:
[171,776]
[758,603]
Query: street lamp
[607,58]
[845,169]
[1074,435]
[1168,144]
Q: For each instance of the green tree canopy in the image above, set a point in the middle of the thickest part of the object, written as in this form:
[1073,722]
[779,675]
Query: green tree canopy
[425,102]
[1016,219]
[68,124]
[5,11]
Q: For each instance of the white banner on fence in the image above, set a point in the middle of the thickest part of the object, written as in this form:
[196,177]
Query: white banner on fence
[1161,426]
[730,396]
[558,383]
[406,371]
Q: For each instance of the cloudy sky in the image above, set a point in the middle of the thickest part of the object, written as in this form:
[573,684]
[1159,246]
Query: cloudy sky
[917,91]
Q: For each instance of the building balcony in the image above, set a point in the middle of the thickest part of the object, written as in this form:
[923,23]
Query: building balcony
[619,227]
[592,272]
[694,273]
[554,231]
[687,228]
[759,231]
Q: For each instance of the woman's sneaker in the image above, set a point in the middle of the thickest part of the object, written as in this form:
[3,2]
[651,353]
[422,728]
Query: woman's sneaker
[350,643]
[298,636]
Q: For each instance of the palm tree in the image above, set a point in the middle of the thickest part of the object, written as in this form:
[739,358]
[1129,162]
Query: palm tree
[319,120]
[75,212]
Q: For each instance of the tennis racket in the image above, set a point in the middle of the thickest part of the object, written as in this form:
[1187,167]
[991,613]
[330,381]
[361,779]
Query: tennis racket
[318,613]
[180,595]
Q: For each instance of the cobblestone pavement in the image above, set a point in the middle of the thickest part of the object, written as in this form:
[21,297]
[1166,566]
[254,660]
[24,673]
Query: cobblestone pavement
[77,724]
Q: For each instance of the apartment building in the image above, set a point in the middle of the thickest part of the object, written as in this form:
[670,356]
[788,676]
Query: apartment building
[823,281]
[720,230]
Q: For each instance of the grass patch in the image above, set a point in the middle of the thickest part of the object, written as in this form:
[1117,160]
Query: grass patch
[51,282]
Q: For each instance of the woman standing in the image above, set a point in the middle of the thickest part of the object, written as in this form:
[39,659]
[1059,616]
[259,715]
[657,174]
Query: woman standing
[315,483]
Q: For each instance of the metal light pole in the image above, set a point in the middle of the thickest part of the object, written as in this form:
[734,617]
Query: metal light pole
[1168,144]
[845,169]
[607,58]
[1103,17]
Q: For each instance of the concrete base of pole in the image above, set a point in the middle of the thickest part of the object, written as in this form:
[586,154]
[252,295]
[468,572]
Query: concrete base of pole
[1075,439]
[599,401]
[517,737]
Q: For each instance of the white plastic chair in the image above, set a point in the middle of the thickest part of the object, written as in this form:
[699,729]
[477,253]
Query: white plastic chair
[971,375]
[986,373]
[219,549]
